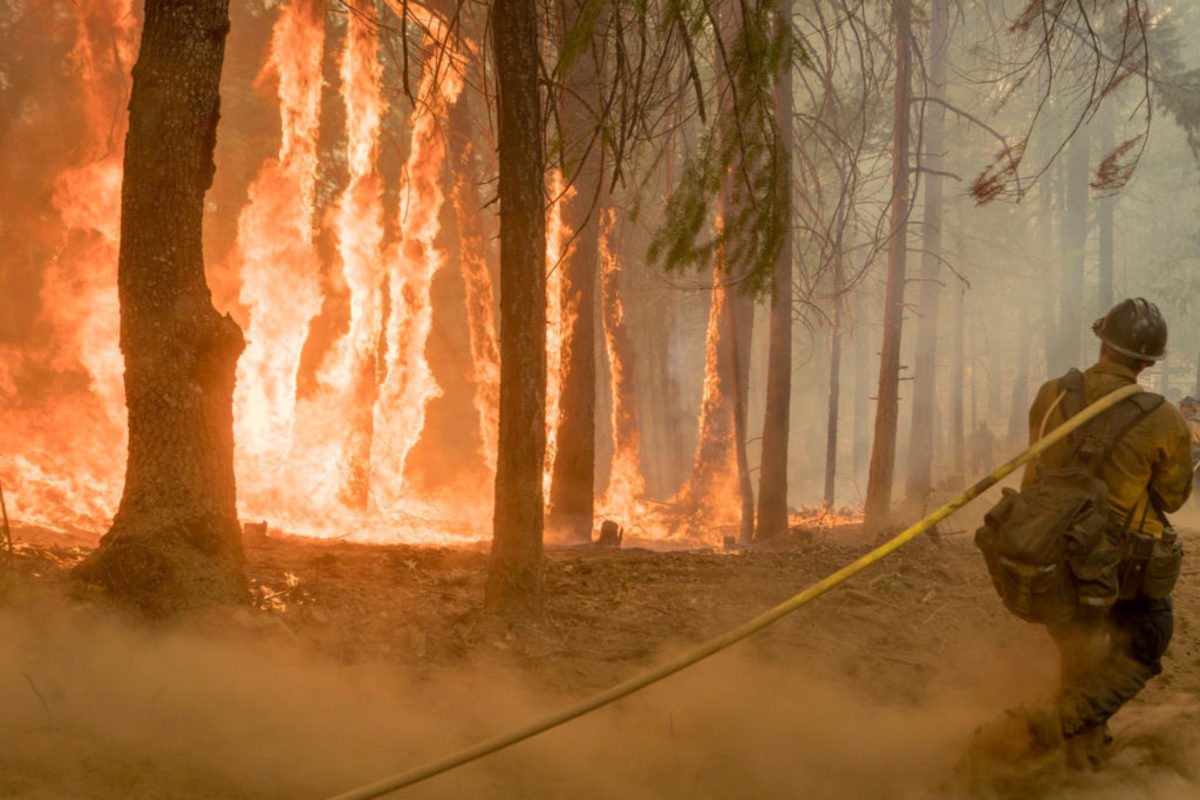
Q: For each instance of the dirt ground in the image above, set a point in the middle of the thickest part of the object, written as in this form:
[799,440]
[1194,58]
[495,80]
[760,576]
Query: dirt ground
[361,661]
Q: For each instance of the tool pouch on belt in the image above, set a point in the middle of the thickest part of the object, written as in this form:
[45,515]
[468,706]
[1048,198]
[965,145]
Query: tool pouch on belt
[1150,565]
[1050,549]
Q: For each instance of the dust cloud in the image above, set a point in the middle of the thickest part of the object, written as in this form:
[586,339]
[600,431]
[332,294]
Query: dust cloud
[95,708]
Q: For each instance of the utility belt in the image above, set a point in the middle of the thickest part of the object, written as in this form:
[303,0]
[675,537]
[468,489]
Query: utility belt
[1149,565]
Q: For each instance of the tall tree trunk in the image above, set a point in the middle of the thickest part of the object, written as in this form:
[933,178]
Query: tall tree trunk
[835,370]
[514,581]
[572,485]
[1105,209]
[773,473]
[959,367]
[919,479]
[1046,240]
[862,389]
[883,450]
[737,305]
[1074,242]
[175,542]
[973,381]
[1049,322]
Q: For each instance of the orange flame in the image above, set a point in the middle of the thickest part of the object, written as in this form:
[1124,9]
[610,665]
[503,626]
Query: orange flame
[409,384]
[332,464]
[348,377]
[481,322]
[65,474]
[278,265]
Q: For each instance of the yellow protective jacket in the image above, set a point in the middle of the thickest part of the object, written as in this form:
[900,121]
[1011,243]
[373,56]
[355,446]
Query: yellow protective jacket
[1155,454]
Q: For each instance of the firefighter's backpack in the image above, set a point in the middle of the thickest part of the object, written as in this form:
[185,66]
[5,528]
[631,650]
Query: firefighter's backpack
[1052,549]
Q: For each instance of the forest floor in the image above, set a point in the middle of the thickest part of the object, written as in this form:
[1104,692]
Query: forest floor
[361,661]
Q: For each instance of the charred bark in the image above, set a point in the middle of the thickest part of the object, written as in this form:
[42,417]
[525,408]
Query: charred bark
[175,543]
[883,451]
[514,581]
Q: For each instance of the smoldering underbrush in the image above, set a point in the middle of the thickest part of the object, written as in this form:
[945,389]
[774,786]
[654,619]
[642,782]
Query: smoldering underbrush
[95,708]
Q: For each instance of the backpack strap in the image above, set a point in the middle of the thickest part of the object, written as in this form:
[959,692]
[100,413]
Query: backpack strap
[1094,443]
[1129,413]
[1073,400]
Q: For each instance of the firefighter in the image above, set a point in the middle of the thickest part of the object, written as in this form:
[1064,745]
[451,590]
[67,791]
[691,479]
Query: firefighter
[1105,662]
[982,443]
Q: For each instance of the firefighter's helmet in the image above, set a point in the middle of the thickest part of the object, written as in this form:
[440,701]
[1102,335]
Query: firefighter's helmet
[1134,328]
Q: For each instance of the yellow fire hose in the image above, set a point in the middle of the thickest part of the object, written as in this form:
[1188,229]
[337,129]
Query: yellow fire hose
[626,688]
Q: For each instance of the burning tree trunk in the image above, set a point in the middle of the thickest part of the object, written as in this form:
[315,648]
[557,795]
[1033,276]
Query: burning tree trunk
[773,476]
[175,542]
[476,276]
[883,451]
[514,582]
[713,485]
[720,472]
[625,483]
[572,484]
[919,480]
